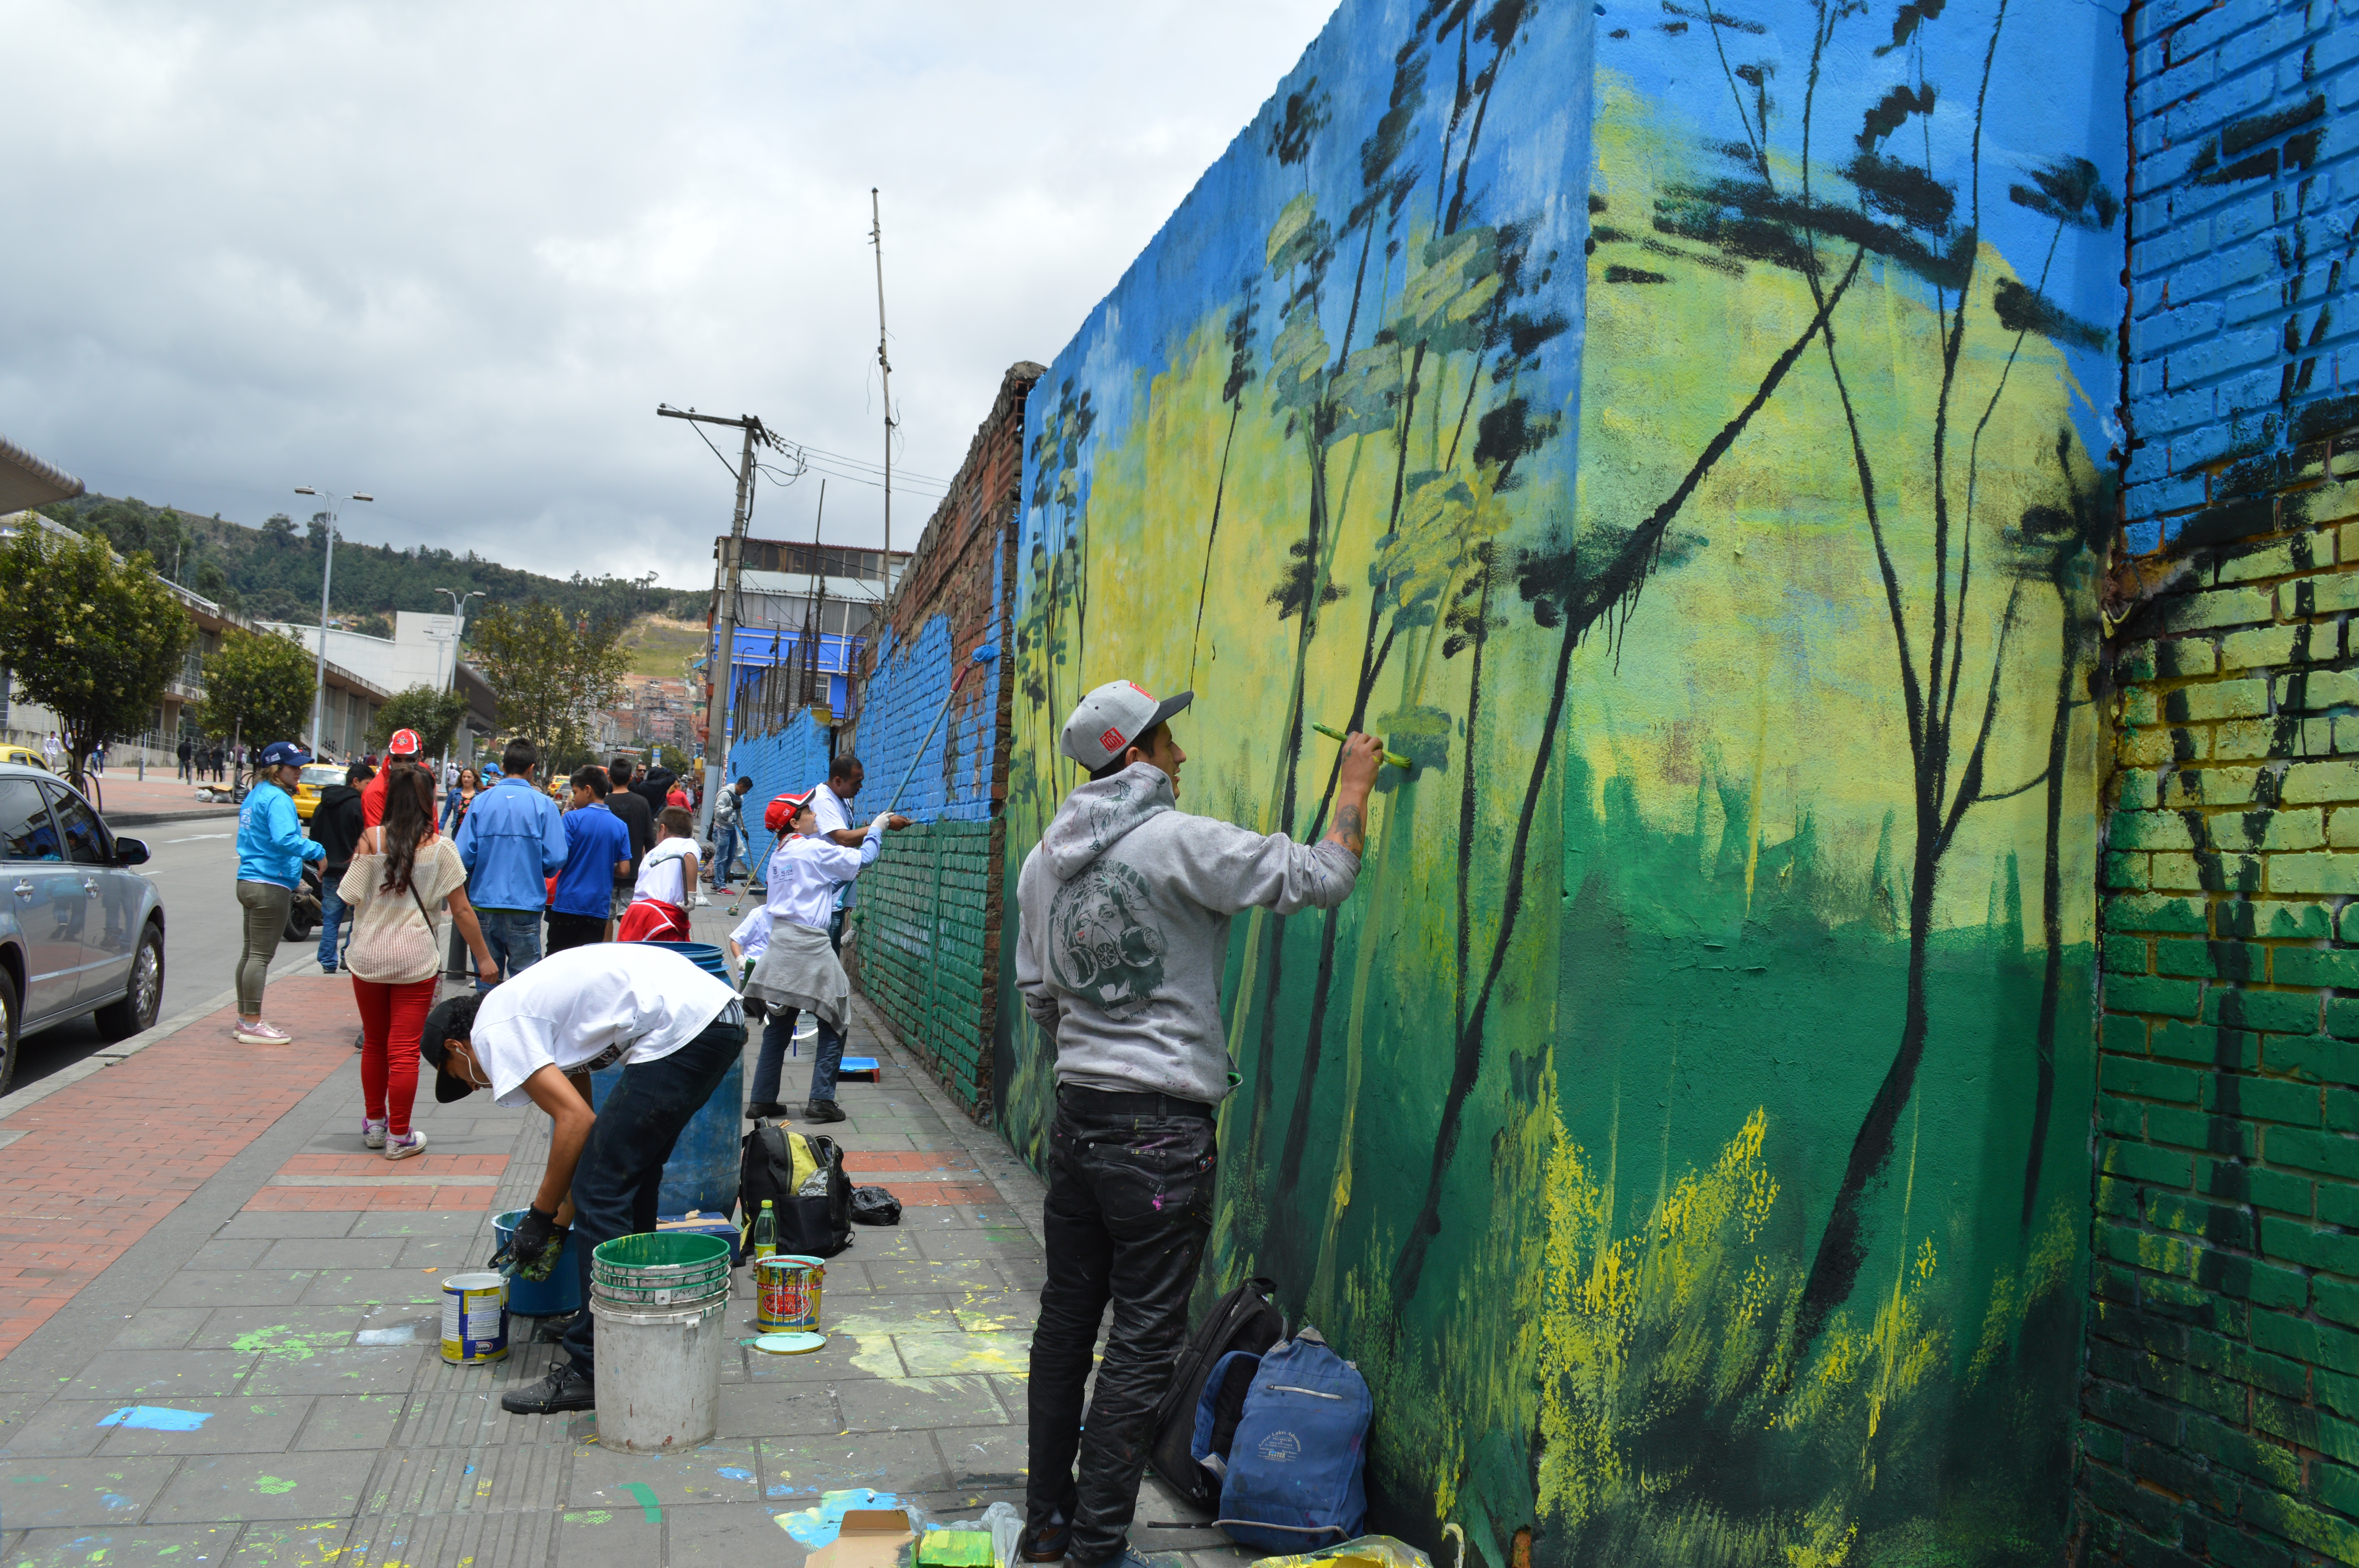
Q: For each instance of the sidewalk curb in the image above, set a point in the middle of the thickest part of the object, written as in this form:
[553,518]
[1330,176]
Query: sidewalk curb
[224,813]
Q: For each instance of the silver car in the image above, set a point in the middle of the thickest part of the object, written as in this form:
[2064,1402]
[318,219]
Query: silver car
[80,932]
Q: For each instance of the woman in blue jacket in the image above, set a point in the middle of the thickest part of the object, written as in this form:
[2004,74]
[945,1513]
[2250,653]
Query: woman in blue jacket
[271,849]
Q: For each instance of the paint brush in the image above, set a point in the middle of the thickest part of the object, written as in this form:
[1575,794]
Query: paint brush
[1395,758]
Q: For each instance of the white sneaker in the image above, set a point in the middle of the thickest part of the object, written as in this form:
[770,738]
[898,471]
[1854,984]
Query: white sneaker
[373,1133]
[260,1032]
[403,1148]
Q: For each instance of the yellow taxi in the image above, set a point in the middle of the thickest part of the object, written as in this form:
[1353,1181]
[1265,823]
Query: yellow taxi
[315,777]
[25,756]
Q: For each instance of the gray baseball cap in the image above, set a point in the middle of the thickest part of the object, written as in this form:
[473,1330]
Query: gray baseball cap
[1109,721]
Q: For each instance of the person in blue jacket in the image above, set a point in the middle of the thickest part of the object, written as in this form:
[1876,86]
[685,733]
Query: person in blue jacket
[271,849]
[511,842]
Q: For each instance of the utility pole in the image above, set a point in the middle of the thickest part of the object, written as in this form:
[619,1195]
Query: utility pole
[458,630]
[885,373]
[721,665]
[327,574]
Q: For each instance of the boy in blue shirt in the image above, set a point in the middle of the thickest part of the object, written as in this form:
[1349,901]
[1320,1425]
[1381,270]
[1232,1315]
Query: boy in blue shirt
[597,850]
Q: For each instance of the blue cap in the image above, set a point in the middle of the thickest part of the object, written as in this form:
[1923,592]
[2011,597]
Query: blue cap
[284,753]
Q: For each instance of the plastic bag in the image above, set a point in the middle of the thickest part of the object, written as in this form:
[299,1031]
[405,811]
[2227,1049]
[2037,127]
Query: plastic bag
[874,1205]
[1362,1552]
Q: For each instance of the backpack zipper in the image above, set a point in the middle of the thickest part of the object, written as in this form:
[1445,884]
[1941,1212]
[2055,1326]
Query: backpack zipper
[1292,1389]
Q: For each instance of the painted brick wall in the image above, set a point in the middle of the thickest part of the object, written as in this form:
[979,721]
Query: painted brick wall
[2222,1407]
[927,917]
[2243,342]
[794,758]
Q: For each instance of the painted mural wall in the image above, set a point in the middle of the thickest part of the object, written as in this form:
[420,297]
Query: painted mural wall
[1678,432]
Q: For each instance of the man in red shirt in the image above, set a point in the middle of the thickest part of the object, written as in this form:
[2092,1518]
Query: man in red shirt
[401,752]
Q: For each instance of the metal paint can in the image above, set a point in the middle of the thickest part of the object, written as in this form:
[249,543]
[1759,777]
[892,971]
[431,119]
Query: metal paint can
[475,1319]
[787,1292]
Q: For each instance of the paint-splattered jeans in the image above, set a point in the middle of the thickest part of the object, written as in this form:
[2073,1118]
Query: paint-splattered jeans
[1130,1202]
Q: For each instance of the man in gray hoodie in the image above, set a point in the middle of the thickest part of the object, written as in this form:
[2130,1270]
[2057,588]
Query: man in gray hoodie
[1124,912]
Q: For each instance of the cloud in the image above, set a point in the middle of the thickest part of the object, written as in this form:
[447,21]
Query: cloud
[455,254]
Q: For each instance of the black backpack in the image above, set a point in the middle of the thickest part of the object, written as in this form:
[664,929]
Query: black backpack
[816,1226]
[1245,1319]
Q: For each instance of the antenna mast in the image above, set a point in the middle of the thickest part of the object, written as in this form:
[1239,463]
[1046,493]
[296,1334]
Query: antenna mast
[885,373]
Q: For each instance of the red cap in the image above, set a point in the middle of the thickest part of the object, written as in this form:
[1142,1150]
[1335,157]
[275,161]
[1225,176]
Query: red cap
[782,810]
[405,743]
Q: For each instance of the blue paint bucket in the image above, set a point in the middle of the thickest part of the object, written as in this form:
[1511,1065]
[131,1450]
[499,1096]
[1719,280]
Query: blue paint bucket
[703,955]
[702,1171]
[559,1293]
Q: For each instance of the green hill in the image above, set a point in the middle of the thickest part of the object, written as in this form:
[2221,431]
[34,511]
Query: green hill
[272,573]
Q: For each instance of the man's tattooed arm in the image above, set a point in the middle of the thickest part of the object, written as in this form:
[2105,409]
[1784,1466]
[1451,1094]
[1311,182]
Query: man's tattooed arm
[1351,827]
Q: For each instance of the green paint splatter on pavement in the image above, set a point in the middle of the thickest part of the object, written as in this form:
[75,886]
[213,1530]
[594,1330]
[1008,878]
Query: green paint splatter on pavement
[589,1516]
[646,1496]
[273,1485]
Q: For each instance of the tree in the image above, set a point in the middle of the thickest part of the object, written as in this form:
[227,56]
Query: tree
[435,715]
[548,675]
[258,685]
[89,636]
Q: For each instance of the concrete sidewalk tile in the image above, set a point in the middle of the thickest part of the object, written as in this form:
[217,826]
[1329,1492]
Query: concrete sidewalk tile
[461,1222]
[273,1487]
[67,1428]
[239,1424]
[277,1328]
[233,1253]
[449,1254]
[995,1241]
[608,1537]
[183,1544]
[253,1222]
[360,1370]
[873,1313]
[928,1276]
[372,1287]
[948,1355]
[778,1410]
[900,1404]
[160,1328]
[803,1468]
[711,1535]
[723,1470]
[831,1363]
[44,1494]
[341,1252]
[1014,1391]
[998,1312]
[318,1543]
[233,1287]
[159,1376]
[889,1245]
[986,1455]
[353,1420]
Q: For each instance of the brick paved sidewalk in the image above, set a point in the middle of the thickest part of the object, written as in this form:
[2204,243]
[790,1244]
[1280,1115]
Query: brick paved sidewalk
[283,1288]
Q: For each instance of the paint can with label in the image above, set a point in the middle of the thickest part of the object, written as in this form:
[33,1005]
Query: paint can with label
[475,1319]
[787,1292]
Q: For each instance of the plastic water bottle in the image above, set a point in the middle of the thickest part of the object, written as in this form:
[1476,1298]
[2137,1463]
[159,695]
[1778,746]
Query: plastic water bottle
[766,1232]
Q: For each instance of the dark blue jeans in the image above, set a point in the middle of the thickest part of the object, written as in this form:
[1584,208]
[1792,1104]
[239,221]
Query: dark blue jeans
[513,937]
[1130,1203]
[776,1036]
[615,1185]
[724,853]
[332,910]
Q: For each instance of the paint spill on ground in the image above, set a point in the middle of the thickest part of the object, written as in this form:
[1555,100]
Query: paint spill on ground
[734,1473]
[646,1496]
[813,1527]
[273,1485]
[590,1516]
[155,1418]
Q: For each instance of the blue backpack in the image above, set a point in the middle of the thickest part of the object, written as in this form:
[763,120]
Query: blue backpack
[1292,1480]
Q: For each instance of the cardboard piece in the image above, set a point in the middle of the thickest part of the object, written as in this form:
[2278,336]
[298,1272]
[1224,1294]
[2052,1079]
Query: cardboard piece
[871,1538]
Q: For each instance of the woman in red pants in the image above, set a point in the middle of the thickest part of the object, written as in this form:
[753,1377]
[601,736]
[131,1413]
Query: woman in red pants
[402,873]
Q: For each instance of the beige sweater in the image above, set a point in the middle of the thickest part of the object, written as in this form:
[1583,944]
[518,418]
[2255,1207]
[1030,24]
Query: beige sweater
[379,915]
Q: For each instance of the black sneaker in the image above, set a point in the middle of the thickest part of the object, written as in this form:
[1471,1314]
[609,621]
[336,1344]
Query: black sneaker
[768,1110]
[1044,1545]
[823,1110]
[563,1390]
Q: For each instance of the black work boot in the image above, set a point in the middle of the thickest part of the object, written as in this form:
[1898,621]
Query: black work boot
[823,1110]
[563,1390]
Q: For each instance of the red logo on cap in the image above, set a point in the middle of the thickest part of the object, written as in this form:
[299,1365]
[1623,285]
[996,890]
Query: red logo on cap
[1140,689]
[405,743]
[1111,740]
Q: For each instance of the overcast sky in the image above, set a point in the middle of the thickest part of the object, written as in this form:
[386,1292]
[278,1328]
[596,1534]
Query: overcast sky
[455,254]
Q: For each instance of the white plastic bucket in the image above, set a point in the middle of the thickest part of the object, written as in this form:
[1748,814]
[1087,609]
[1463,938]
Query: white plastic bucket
[659,1373]
[474,1318]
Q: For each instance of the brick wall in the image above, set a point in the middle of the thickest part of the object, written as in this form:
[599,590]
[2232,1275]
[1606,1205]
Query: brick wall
[2243,345]
[927,926]
[793,758]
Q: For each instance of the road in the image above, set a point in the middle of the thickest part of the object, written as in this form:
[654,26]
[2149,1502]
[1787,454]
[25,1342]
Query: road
[194,868]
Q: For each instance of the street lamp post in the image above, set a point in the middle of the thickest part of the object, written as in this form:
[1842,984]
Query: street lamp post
[327,574]
[458,630]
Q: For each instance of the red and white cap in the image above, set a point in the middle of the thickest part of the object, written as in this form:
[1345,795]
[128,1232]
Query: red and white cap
[1110,720]
[405,743]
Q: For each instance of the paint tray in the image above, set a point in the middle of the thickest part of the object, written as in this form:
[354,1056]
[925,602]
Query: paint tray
[956,1549]
[864,1068]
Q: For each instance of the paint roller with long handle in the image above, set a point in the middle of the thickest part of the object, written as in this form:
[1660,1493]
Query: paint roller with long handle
[982,655]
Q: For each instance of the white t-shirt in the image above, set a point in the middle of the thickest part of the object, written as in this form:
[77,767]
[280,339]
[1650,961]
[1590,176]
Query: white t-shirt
[571,1007]
[834,816]
[661,875]
[752,933]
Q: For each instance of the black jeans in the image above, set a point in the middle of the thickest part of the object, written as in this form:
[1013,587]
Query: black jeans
[615,1185]
[1130,1203]
[574,930]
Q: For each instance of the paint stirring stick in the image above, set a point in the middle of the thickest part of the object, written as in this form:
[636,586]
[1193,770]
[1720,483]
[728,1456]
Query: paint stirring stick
[1395,758]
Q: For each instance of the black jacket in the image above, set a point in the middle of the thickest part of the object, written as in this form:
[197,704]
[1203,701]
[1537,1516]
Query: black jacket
[654,786]
[627,805]
[336,824]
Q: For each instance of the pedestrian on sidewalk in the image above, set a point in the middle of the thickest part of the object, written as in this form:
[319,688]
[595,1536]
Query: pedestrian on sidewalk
[1123,928]
[640,818]
[676,1030]
[185,751]
[512,843]
[401,753]
[456,798]
[336,828]
[659,911]
[832,803]
[800,971]
[52,750]
[747,946]
[597,850]
[402,871]
[271,851]
[728,817]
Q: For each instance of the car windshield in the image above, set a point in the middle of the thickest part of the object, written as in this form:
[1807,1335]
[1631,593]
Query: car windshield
[322,774]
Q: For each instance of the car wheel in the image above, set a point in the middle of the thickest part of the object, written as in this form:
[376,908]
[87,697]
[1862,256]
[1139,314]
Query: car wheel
[7,1033]
[143,997]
